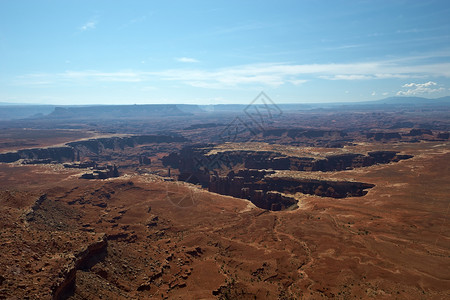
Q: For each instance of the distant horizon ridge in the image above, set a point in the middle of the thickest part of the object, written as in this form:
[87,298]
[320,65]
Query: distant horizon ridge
[280,103]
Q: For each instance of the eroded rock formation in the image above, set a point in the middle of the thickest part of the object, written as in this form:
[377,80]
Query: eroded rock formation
[91,147]
[196,160]
[96,146]
[65,284]
[272,192]
[102,172]
[247,173]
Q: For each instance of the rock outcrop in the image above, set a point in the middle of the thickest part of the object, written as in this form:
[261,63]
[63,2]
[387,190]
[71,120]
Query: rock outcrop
[102,172]
[65,284]
[384,136]
[418,132]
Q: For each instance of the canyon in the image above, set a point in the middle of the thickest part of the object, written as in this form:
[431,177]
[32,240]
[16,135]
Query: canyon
[197,165]
[332,203]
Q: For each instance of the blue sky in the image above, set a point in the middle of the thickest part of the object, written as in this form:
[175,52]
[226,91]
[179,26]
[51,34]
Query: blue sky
[215,52]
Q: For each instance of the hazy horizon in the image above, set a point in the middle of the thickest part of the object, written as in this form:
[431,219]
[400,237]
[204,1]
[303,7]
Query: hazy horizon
[228,103]
[96,53]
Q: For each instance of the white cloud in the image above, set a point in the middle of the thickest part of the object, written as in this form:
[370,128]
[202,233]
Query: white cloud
[373,93]
[89,25]
[346,77]
[259,75]
[420,85]
[70,77]
[187,60]
[414,89]
[298,81]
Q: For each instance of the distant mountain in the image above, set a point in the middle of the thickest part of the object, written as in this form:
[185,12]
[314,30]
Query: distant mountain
[189,108]
[11,111]
[14,104]
[391,102]
[411,100]
[21,111]
[116,112]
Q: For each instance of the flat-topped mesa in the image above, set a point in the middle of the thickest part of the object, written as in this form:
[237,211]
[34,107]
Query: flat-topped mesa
[198,161]
[91,147]
[330,138]
[96,146]
[380,136]
[414,135]
[418,132]
[350,161]
[304,132]
[322,188]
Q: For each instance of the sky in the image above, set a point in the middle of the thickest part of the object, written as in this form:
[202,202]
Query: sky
[218,52]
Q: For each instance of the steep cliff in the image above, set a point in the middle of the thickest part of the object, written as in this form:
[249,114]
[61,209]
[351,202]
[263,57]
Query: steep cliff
[66,280]
[303,133]
[323,188]
[196,160]
[384,136]
[72,150]
[96,146]
[271,192]
[58,154]
[250,185]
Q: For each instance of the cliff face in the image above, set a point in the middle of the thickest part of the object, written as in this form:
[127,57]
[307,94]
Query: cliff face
[196,161]
[250,185]
[418,132]
[308,137]
[338,138]
[379,136]
[58,154]
[96,146]
[303,133]
[9,157]
[91,147]
[65,283]
[270,192]
[116,112]
[249,169]
[351,161]
[322,188]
